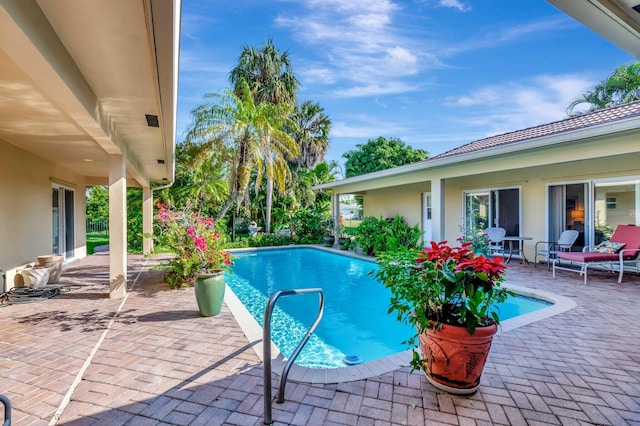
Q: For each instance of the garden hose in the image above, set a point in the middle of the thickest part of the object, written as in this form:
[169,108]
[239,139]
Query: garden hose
[28,294]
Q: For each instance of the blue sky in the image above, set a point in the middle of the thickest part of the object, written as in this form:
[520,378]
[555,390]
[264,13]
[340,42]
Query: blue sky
[434,73]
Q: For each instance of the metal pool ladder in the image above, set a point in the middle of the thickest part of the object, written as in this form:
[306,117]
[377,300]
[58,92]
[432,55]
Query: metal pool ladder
[266,345]
[7,410]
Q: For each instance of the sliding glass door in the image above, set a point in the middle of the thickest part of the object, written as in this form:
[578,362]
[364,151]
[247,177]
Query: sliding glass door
[491,208]
[593,208]
[567,210]
[615,203]
[63,221]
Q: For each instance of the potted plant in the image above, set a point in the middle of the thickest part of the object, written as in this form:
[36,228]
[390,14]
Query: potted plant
[329,238]
[451,296]
[343,239]
[200,259]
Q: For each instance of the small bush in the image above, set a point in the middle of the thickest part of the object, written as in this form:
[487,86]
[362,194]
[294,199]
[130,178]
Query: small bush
[375,236]
[260,240]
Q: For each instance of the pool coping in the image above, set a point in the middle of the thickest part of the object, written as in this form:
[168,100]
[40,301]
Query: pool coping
[253,330]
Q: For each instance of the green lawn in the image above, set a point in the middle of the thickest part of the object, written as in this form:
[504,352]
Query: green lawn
[96,239]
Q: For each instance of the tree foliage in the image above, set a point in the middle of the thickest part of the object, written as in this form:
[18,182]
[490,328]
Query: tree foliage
[622,86]
[311,133]
[253,134]
[97,203]
[380,154]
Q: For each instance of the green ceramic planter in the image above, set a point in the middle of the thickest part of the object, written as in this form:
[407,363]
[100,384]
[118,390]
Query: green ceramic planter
[210,293]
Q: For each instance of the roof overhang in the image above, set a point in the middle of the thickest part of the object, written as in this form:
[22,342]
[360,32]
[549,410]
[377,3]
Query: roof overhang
[615,20]
[575,136]
[79,78]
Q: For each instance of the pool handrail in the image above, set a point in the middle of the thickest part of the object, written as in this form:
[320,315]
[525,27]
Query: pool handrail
[266,346]
[7,410]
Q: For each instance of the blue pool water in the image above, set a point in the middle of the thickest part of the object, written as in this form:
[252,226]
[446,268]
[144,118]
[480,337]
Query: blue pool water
[355,326]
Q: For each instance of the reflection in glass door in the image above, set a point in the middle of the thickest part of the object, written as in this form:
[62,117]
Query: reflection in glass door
[496,207]
[614,204]
[567,211]
[63,221]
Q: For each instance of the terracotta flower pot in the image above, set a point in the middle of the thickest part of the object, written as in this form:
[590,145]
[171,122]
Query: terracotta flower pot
[209,289]
[453,359]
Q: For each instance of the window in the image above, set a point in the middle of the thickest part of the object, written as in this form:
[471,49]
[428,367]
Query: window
[494,207]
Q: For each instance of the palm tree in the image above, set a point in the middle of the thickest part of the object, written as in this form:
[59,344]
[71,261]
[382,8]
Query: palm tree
[253,134]
[200,175]
[270,78]
[311,133]
[621,87]
[268,74]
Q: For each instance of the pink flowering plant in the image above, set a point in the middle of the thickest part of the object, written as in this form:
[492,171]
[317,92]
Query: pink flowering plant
[198,246]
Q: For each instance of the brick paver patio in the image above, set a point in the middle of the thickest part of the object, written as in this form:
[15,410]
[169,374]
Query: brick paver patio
[153,360]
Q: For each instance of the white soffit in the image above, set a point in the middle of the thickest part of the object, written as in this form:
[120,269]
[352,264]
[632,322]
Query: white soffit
[615,20]
[77,78]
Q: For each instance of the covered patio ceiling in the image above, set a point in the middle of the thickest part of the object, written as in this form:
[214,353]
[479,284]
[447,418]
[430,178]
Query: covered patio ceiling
[81,80]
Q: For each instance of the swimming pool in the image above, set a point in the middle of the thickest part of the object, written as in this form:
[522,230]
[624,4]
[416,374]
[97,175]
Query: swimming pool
[355,325]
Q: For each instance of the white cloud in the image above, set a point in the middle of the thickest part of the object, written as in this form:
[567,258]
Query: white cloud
[517,105]
[455,4]
[392,87]
[362,45]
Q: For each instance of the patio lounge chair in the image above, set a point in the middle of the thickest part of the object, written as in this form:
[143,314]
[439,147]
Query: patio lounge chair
[548,250]
[495,235]
[623,247]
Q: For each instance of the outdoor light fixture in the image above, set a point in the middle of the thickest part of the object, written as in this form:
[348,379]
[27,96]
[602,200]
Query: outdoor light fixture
[152,120]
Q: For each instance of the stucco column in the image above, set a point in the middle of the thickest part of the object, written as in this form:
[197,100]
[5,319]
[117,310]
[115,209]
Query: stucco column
[147,220]
[437,210]
[117,227]
[335,212]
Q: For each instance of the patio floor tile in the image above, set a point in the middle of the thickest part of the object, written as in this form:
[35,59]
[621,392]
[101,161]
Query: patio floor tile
[153,360]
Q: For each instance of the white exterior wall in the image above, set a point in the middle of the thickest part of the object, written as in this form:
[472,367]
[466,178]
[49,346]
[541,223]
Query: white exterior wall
[25,208]
[405,199]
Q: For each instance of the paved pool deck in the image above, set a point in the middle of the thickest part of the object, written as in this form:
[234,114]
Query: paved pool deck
[81,358]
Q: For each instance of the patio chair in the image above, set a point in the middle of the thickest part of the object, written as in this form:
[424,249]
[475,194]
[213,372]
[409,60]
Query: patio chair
[495,235]
[548,250]
[622,248]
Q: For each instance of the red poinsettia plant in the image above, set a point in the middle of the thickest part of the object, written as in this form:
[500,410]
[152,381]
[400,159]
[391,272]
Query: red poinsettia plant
[443,285]
[197,245]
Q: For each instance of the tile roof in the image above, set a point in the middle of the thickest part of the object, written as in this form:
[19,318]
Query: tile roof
[582,121]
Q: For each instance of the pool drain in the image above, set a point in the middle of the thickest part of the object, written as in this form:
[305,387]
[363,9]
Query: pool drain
[352,359]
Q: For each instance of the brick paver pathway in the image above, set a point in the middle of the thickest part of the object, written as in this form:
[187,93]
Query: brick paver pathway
[154,361]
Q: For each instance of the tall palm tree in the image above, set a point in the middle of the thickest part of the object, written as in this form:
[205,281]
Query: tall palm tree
[270,78]
[311,132]
[268,73]
[253,134]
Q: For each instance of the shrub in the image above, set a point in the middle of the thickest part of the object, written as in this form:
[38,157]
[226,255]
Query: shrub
[376,236]
[309,225]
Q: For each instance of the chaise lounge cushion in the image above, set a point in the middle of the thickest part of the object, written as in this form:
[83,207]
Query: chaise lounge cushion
[628,235]
[591,256]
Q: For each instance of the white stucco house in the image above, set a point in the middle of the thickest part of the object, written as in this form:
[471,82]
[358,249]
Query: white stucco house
[88,93]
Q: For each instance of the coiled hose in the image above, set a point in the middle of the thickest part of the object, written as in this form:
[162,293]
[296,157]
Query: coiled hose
[28,294]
